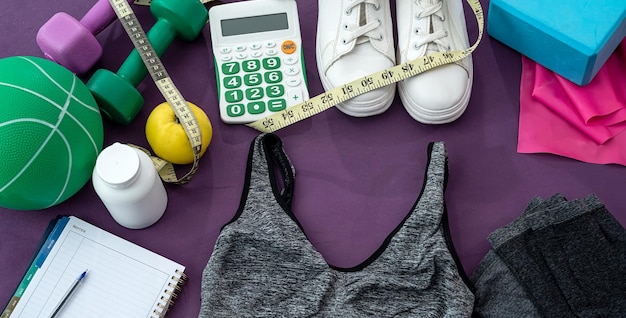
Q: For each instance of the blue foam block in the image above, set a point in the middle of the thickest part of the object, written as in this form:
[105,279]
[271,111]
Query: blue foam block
[573,38]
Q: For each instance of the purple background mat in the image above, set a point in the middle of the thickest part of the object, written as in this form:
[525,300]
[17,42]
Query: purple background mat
[356,178]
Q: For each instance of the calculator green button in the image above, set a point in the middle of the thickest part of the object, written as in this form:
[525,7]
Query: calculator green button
[251,65]
[252,79]
[275,105]
[234,96]
[273,77]
[235,110]
[231,82]
[254,93]
[275,91]
[256,107]
[230,68]
[271,63]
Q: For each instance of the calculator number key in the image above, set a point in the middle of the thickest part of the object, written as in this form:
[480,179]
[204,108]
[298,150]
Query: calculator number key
[273,77]
[251,65]
[275,91]
[254,93]
[271,63]
[231,82]
[235,110]
[253,79]
[231,68]
[234,96]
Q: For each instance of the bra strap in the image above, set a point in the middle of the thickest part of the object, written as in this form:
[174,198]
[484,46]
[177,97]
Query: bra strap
[277,160]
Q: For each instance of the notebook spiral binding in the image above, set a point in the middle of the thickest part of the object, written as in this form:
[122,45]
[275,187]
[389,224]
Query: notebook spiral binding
[170,294]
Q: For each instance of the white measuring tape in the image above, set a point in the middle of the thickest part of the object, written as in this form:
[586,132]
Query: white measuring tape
[167,88]
[367,83]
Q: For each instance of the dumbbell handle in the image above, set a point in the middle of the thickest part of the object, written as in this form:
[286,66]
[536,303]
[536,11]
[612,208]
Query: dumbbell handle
[99,16]
[160,36]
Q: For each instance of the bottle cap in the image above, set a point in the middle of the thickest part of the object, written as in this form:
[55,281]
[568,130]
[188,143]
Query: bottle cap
[118,165]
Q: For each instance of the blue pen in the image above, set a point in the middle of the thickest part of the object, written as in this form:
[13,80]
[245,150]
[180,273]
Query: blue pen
[68,294]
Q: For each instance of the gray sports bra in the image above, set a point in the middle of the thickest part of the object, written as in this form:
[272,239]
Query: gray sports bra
[263,265]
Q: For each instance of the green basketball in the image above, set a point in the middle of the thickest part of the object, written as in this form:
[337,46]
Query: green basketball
[50,133]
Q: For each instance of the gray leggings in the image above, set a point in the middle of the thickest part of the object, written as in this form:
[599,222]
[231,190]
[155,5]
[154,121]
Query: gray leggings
[559,259]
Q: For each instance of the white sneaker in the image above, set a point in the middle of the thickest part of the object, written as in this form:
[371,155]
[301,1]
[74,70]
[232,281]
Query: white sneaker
[355,39]
[439,95]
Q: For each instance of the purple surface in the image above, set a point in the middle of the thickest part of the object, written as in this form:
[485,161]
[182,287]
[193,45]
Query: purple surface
[356,178]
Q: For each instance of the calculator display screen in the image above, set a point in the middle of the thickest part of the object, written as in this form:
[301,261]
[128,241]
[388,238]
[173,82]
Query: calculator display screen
[255,24]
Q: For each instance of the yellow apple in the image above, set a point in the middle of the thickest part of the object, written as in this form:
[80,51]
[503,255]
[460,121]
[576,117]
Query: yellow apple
[166,135]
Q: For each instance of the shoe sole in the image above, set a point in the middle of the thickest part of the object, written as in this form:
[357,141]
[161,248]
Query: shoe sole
[426,116]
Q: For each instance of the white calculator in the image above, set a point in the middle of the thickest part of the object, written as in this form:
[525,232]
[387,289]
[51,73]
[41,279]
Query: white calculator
[259,63]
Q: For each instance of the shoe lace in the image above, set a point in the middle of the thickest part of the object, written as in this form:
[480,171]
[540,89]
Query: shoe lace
[425,37]
[365,30]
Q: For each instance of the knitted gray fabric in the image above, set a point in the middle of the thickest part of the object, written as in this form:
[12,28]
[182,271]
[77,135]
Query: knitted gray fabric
[264,266]
[559,259]
[535,215]
[498,293]
[588,260]
[574,265]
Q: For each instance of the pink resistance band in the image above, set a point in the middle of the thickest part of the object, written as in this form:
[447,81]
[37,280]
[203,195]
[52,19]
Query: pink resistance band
[586,123]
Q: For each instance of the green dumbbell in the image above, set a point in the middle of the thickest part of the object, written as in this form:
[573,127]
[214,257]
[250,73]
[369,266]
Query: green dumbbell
[115,93]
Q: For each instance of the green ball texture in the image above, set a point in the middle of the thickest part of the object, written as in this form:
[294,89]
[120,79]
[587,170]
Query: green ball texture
[50,133]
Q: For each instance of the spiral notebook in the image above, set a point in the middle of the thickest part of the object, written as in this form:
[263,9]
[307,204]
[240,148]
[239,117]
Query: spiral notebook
[124,279]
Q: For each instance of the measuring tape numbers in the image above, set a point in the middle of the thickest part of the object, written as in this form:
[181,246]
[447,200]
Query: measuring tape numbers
[167,88]
[367,83]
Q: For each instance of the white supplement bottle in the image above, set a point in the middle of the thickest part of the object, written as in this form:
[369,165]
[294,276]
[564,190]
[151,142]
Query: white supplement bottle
[129,186]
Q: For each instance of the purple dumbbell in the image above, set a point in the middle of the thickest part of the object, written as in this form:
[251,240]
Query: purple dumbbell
[73,44]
